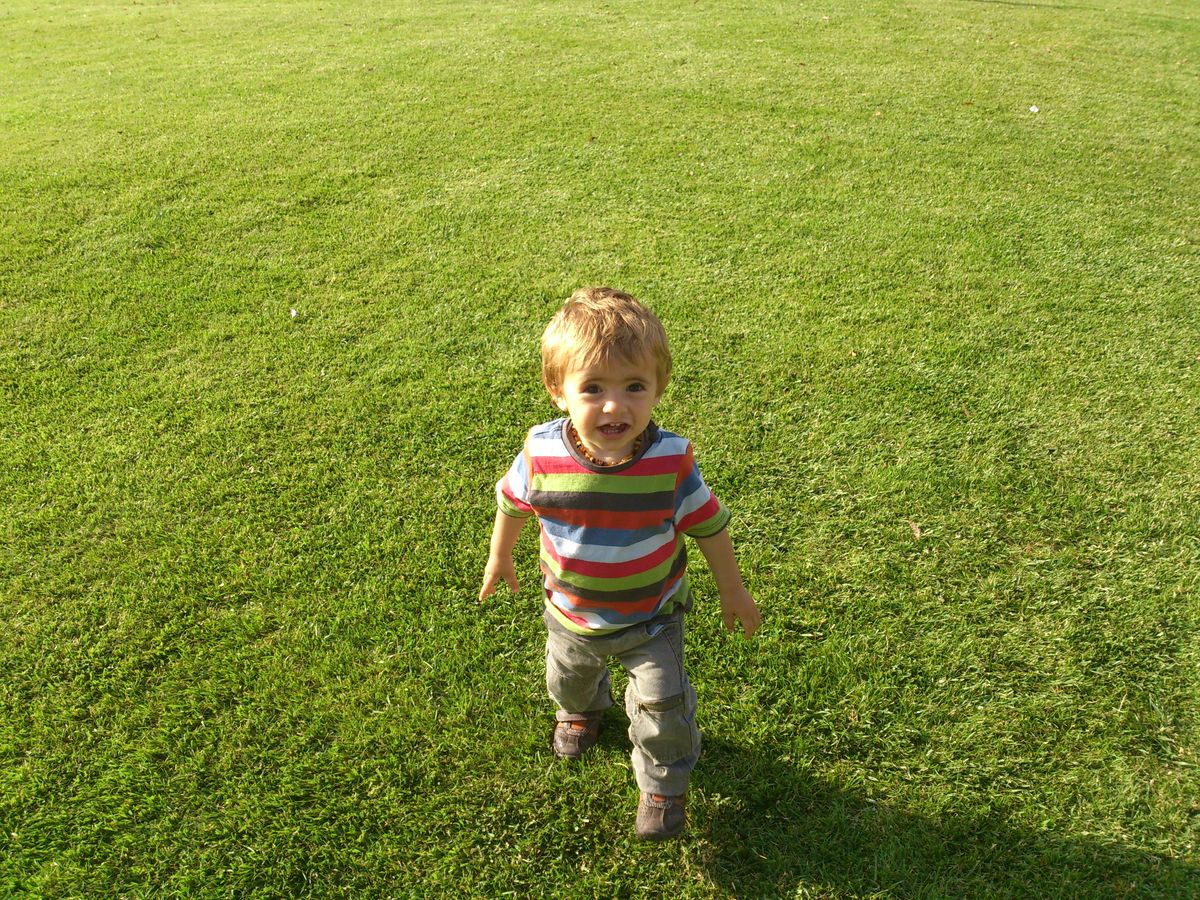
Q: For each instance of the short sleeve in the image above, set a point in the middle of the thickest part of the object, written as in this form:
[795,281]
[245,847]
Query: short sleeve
[512,491]
[698,513]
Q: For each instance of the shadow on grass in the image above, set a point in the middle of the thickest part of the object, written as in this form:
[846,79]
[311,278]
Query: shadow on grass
[775,829]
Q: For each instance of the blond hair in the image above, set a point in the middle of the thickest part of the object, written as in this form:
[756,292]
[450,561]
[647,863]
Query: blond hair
[598,325]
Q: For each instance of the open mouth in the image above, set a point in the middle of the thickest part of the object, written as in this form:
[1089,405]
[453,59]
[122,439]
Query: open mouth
[613,430]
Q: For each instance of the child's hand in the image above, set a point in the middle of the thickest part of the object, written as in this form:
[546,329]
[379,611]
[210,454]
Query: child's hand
[496,570]
[738,606]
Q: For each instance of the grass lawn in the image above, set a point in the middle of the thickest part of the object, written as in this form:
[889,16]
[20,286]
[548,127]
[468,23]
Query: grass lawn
[272,277]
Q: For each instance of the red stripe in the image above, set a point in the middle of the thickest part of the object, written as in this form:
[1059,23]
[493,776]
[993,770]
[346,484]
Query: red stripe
[656,465]
[567,465]
[604,518]
[593,569]
[642,606]
[513,499]
[578,621]
[556,465]
[704,513]
[686,463]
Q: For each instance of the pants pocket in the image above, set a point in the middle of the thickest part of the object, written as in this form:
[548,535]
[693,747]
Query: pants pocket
[664,729]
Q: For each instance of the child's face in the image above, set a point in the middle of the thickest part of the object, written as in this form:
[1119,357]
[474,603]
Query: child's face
[610,405]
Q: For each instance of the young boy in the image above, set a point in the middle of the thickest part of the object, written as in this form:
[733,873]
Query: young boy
[614,495]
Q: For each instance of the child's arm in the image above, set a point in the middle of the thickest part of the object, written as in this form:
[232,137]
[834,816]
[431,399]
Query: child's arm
[736,602]
[500,562]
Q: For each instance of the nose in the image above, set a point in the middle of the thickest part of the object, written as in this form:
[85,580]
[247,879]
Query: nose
[610,406]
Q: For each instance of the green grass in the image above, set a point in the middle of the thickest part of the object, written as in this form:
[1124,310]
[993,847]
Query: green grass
[940,354]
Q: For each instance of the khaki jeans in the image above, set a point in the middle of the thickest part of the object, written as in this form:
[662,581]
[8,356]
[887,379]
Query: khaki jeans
[659,699]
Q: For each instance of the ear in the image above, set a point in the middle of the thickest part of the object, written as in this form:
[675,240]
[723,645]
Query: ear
[554,391]
[555,395]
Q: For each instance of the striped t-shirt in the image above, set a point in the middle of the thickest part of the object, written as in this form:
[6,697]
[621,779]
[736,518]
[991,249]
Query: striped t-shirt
[612,536]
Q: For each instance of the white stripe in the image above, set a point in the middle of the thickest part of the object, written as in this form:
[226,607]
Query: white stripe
[547,447]
[598,624]
[667,446]
[693,501]
[600,553]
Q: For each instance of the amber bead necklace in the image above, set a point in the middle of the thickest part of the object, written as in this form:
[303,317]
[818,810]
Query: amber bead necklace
[578,441]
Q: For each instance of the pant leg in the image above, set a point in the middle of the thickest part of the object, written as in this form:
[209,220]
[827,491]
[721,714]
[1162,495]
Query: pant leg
[661,705]
[577,677]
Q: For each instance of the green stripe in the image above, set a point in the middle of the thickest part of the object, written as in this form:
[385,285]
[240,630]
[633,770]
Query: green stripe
[571,626]
[591,582]
[711,525]
[679,597]
[603,484]
[508,509]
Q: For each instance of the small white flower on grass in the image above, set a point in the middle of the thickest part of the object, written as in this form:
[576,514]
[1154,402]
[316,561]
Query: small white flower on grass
[294,314]
[1033,109]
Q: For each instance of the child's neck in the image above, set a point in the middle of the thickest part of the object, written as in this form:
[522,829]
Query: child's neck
[573,434]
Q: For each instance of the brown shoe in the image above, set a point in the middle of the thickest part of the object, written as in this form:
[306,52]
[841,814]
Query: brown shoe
[572,739]
[659,817]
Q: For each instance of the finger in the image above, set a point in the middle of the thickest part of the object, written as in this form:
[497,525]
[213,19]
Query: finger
[751,618]
[730,619]
[489,588]
[512,583]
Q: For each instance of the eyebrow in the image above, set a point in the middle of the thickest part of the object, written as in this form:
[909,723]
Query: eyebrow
[586,377]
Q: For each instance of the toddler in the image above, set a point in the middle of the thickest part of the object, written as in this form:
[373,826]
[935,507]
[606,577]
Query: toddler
[614,495]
